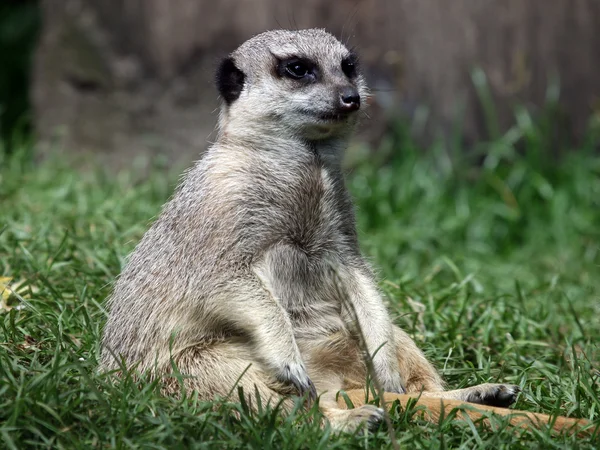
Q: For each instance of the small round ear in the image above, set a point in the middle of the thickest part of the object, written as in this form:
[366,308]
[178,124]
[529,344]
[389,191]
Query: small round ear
[230,80]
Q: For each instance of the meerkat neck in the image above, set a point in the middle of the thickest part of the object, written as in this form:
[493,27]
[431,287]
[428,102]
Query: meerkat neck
[284,142]
[331,151]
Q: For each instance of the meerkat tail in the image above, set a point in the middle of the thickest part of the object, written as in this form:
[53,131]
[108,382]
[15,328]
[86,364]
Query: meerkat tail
[434,408]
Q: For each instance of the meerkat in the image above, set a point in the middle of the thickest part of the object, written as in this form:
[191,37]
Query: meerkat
[252,274]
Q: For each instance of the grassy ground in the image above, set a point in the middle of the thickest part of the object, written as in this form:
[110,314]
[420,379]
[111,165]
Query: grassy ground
[494,270]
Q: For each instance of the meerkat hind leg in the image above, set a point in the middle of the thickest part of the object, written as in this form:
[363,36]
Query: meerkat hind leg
[433,409]
[421,377]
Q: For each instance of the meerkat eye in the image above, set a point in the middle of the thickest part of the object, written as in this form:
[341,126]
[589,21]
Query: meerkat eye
[349,66]
[297,69]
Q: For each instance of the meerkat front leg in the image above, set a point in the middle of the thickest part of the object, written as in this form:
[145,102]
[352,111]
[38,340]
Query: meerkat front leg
[399,365]
[375,327]
[275,269]
[271,333]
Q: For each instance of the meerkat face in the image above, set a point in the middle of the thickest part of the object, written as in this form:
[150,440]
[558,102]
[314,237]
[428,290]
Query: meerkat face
[305,82]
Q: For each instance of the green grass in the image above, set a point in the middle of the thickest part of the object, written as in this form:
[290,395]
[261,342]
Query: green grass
[493,268]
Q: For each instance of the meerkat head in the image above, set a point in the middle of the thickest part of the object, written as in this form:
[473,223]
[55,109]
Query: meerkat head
[305,83]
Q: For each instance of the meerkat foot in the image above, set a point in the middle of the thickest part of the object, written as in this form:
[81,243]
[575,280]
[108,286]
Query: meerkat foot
[352,419]
[500,395]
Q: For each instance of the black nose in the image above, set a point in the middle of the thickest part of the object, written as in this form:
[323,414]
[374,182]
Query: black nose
[349,99]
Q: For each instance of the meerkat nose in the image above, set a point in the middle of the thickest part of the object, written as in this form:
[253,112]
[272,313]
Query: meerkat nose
[349,99]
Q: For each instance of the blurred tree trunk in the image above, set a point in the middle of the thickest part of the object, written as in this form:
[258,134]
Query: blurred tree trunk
[119,78]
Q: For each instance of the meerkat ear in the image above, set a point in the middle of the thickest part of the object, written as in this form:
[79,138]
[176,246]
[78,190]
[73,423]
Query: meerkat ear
[230,80]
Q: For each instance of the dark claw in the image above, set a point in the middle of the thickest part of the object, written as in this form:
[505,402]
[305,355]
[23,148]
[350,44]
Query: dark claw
[394,390]
[307,388]
[303,387]
[374,423]
[402,390]
[312,391]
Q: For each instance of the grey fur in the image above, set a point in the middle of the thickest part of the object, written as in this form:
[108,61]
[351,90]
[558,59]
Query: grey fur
[236,271]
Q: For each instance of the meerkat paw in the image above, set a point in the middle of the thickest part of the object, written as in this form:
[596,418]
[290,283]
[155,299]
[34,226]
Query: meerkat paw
[351,420]
[393,384]
[501,395]
[295,374]
[390,379]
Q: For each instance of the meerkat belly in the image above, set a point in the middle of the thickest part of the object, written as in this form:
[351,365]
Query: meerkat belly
[303,285]
[315,310]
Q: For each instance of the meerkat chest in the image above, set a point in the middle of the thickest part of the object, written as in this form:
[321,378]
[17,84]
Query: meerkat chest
[306,289]
[319,217]
[313,225]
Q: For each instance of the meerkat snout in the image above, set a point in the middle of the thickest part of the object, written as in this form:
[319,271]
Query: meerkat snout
[349,99]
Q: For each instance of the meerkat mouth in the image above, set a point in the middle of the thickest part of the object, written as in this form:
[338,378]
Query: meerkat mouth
[334,117]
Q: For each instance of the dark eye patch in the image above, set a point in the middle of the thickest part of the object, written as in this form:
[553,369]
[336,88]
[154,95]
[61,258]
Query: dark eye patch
[301,69]
[350,65]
